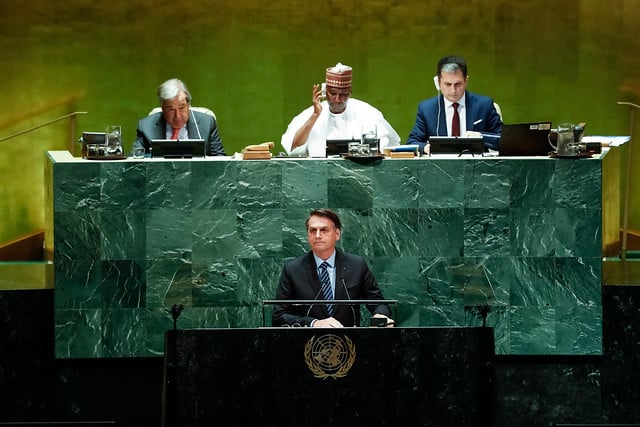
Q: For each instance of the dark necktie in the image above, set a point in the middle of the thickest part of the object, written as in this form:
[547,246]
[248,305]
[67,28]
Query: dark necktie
[455,123]
[326,285]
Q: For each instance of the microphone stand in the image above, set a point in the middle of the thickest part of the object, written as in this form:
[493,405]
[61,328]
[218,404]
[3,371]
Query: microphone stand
[176,310]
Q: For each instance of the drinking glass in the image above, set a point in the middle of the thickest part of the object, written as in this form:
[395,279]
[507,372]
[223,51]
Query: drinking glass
[370,137]
[137,152]
[114,140]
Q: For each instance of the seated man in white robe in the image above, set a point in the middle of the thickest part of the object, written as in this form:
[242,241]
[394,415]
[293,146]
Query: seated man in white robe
[338,117]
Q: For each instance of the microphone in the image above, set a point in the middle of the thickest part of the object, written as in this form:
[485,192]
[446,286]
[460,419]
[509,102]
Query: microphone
[435,82]
[353,312]
[195,123]
[315,298]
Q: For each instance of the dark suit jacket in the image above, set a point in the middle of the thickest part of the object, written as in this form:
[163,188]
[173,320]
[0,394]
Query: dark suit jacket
[299,280]
[477,107]
[154,127]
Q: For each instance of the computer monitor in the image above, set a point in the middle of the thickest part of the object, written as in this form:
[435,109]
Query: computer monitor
[177,149]
[455,145]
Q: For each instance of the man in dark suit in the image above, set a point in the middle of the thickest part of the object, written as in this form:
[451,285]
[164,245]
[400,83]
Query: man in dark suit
[436,116]
[348,276]
[178,121]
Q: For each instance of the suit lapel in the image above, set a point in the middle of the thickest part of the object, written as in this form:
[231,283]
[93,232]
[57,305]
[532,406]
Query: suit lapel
[191,128]
[467,106]
[312,274]
[340,268]
[442,126]
[160,128]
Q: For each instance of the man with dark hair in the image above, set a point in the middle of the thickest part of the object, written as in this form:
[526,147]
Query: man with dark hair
[457,112]
[326,273]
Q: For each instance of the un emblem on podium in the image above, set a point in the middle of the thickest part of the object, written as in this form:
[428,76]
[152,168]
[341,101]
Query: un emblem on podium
[329,356]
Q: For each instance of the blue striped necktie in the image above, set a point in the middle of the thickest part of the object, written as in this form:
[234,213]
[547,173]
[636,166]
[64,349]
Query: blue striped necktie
[326,285]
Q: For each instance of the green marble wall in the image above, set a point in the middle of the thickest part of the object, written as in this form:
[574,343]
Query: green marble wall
[254,62]
[523,236]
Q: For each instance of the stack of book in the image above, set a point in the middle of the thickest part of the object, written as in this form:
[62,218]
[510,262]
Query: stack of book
[408,151]
[257,151]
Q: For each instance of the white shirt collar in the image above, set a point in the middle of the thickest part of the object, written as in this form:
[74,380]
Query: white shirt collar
[461,101]
[331,260]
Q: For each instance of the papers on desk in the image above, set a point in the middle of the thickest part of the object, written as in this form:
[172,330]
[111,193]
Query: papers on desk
[607,141]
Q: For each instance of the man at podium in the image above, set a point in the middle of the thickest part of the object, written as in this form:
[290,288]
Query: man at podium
[326,274]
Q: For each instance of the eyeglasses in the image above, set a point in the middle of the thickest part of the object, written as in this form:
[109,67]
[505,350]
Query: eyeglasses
[322,231]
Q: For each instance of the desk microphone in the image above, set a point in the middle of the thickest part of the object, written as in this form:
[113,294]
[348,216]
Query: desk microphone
[353,312]
[436,81]
[315,298]
[196,123]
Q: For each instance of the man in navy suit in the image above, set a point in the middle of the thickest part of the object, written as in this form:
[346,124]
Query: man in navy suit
[349,276]
[178,121]
[476,113]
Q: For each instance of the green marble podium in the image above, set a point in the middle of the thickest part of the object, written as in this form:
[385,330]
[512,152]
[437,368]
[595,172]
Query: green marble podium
[515,243]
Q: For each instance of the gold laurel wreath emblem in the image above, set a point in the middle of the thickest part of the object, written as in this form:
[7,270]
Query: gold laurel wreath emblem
[329,356]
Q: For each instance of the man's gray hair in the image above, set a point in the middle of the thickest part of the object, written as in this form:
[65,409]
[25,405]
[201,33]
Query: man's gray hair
[451,64]
[172,88]
[451,67]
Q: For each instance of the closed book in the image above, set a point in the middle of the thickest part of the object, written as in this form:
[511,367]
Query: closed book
[256,155]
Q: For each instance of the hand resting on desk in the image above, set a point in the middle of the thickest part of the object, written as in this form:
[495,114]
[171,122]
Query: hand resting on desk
[390,321]
[330,322]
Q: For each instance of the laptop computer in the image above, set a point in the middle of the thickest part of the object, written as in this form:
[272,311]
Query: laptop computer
[455,145]
[525,139]
[177,149]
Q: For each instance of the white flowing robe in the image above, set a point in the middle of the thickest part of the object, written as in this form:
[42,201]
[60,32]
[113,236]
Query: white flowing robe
[338,126]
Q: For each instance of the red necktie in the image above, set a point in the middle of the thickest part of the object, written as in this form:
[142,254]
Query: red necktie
[175,134]
[455,123]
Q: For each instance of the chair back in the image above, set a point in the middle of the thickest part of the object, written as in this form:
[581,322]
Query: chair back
[204,110]
[497,107]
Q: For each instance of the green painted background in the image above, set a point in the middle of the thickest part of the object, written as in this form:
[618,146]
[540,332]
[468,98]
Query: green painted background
[254,62]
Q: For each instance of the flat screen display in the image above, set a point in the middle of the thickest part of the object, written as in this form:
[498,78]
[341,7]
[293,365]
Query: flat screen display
[455,145]
[177,149]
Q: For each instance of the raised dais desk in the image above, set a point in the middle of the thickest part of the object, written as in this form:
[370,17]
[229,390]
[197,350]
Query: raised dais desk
[519,240]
